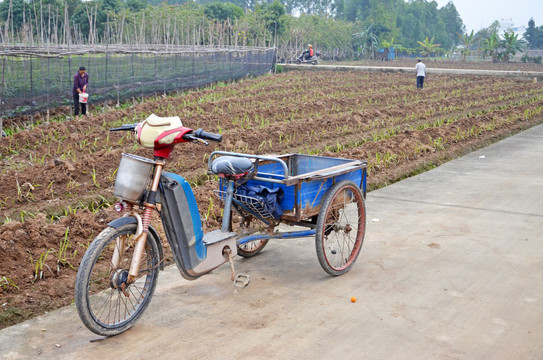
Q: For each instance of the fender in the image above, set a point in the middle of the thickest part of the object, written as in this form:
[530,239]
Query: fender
[182,224]
[117,223]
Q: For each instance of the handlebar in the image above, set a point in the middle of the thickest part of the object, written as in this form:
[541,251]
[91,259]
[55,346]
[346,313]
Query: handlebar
[201,136]
[200,133]
[192,135]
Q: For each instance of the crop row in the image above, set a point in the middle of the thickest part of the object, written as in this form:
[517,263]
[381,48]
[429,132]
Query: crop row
[358,108]
[64,170]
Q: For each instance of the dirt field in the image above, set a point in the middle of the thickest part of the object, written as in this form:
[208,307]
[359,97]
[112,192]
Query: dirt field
[56,179]
[447,64]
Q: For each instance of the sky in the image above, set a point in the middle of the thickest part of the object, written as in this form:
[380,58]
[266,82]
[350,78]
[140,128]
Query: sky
[478,14]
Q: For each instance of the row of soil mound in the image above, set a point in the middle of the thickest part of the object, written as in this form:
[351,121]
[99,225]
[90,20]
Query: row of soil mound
[56,179]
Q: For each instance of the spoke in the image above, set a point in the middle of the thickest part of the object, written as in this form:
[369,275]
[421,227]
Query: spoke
[124,301]
[135,286]
[344,214]
[114,311]
[347,242]
[251,245]
[338,249]
[135,298]
[342,248]
[351,242]
[341,259]
[132,297]
[331,242]
[347,245]
[104,303]
[335,214]
[119,306]
[109,311]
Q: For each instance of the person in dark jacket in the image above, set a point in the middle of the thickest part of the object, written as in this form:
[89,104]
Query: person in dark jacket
[81,81]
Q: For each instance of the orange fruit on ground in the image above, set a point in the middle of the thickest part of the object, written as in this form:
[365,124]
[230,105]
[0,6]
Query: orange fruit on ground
[353,299]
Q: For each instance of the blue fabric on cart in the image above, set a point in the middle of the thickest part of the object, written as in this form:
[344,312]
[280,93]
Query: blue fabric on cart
[269,197]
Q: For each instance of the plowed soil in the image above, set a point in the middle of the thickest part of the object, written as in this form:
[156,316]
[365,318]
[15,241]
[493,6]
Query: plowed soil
[447,64]
[56,180]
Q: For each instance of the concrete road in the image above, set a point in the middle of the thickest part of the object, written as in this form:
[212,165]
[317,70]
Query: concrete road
[451,268]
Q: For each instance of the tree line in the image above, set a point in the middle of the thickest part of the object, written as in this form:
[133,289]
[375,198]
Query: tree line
[488,42]
[328,23]
[338,28]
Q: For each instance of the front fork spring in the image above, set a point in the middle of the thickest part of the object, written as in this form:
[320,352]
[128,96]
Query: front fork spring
[146,218]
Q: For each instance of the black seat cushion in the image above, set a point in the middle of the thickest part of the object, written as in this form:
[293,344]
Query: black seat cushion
[231,165]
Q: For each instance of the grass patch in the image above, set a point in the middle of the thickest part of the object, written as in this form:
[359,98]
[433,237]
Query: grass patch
[13,315]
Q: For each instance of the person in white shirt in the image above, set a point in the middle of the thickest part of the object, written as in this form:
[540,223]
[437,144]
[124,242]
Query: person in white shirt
[420,68]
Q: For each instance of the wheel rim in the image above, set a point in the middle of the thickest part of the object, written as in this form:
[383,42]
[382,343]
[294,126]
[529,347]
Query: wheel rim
[343,229]
[253,246]
[249,226]
[110,303]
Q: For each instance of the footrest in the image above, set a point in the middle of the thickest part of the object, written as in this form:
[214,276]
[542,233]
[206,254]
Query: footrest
[242,280]
[216,236]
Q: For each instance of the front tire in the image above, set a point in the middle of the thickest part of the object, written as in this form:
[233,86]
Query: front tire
[104,307]
[340,228]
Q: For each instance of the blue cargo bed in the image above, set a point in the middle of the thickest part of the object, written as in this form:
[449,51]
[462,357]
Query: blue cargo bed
[305,179]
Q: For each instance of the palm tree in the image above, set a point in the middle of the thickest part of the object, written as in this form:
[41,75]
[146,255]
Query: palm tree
[366,41]
[511,44]
[467,41]
[491,46]
[428,46]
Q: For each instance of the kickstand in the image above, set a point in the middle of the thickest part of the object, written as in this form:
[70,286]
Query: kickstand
[240,280]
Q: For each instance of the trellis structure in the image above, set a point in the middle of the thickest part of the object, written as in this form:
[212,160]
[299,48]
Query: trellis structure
[38,79]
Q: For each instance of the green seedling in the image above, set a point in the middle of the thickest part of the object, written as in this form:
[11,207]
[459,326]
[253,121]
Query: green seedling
[27,214]
[40,264]
[19,190]
[94,181]
[50,188]
[111,177]
[4,202]
[439,143]
[6,283]
[209,208]
[83,144]
[63,249]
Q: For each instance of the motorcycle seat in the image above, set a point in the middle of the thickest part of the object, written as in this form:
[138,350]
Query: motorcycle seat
[154,126]
[155,120]
[231,165]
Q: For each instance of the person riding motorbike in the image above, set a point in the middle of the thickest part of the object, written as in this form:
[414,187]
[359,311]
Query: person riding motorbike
[308,54]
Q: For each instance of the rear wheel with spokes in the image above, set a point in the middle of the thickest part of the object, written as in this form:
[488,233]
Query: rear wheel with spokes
[252,248]
[247,226]
[340,228]
[106,303]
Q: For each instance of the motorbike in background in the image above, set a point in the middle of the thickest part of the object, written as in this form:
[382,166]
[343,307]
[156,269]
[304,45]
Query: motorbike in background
[313,60]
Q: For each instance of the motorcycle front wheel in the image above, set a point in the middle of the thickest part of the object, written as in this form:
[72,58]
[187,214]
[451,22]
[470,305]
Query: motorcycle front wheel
[105,303]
